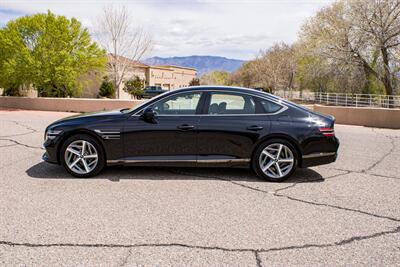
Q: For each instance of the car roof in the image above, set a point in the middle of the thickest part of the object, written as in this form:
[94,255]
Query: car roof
[224,88]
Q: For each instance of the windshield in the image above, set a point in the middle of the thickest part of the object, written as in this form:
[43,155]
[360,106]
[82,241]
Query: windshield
[144,103]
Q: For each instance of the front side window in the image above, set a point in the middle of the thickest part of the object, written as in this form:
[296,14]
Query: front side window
[180,104]
[225,103]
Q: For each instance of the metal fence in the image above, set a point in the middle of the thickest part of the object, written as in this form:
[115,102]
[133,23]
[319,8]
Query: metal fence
[347,100]
[358,100]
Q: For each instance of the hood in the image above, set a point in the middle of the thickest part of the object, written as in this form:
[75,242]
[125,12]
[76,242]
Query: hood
[90,116]
[107,113]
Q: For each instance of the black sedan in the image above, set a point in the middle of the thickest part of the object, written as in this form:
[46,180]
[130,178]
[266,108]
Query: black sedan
[194,127]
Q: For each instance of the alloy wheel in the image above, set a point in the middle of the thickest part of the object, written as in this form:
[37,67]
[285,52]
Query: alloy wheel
[81,157]
[276,160]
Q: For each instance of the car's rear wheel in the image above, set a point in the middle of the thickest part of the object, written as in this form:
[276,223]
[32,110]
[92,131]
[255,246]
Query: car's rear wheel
[275,160]
[82,156]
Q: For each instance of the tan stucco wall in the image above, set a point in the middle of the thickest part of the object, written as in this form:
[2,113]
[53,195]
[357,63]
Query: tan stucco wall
[160,76]
[373,117]
[182,76]
[66,104]
[171,77]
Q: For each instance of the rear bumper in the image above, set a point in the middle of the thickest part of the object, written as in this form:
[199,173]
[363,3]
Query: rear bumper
[318,159]
[329,154]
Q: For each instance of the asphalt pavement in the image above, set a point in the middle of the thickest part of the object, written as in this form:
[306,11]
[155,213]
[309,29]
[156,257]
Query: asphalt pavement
[345,213]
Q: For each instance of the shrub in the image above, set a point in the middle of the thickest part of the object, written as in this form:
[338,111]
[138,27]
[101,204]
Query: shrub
[106,88]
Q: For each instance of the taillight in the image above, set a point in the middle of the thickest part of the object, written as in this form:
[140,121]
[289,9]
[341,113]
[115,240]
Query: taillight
[327,131]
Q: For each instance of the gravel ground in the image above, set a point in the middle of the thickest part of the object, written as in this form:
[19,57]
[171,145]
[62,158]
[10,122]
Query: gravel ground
[345,213]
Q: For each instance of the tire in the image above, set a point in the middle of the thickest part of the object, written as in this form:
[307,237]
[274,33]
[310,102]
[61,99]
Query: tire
[280,168]
[86,164]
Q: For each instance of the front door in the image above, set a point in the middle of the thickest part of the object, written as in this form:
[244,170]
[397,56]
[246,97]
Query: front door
[171,138]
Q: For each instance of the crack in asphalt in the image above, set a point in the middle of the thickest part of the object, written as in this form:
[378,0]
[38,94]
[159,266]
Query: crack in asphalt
[258,260]
[125,260]
[8,145]
[274,193]
[21,144]
[338,207]
[391,150]
[225,249]
[30,129]
[360,172]
[368,169]
[310,181]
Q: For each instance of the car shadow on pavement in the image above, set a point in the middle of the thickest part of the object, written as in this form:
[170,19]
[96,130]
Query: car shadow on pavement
[44,170]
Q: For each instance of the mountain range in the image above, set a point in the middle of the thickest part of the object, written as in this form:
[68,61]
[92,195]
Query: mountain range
[203,64]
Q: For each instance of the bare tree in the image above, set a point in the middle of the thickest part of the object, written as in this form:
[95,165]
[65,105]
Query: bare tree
[275,68]
[378,22]
[125,42]
[363,33]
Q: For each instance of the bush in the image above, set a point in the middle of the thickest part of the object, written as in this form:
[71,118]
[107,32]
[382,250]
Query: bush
[106,88]
[134,87]
[12,91]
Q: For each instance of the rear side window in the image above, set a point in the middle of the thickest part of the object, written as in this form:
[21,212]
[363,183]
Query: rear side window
[268,106]
[226,103]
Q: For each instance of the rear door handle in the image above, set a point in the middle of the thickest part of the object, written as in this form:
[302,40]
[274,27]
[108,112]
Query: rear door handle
[185,127]
[255,128]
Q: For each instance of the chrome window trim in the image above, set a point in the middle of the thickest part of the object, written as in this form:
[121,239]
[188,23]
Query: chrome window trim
[284,107]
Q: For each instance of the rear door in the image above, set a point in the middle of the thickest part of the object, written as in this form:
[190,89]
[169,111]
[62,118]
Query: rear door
[229,128]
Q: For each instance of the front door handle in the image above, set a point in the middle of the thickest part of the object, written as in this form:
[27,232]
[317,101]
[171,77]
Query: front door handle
[185,127]
[255,128]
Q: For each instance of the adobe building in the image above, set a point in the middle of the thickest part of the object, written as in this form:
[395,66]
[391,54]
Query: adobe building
[168,77]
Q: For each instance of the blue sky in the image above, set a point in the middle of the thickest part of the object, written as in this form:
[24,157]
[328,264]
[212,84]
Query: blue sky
[234,29]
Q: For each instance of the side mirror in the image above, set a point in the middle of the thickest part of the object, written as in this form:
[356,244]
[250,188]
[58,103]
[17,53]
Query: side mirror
[149,115]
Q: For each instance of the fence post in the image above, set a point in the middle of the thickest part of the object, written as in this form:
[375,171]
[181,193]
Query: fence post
[346,100]
[336,99]
[327,98]
[356,101]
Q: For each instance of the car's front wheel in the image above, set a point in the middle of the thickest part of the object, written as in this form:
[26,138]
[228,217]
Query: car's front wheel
[275,160]
[82,156]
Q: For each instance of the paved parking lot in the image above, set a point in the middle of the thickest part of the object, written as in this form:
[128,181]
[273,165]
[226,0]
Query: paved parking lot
[338,214]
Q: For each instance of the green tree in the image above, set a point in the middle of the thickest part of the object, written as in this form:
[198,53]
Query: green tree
[52,53]
[106,88]
[134,87]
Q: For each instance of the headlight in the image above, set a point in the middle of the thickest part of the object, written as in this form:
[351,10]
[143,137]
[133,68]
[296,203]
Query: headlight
[51,134]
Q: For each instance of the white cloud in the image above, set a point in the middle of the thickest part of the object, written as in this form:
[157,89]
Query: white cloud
[232,28]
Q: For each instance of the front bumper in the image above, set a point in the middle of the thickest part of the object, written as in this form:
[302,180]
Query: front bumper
[51,151]
[46,158]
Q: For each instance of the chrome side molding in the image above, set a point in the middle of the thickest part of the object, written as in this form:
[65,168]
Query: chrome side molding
[317,155]
[180,161]
[108,134]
